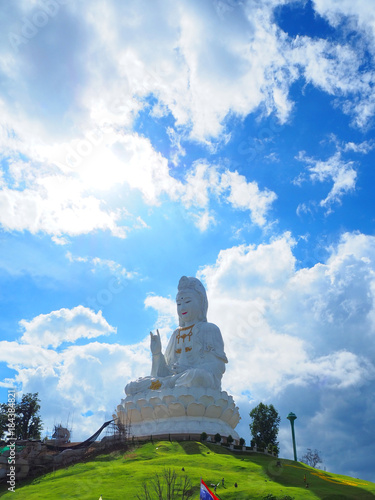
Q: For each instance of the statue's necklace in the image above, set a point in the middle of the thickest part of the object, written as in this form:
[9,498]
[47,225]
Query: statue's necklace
[184,335]
[186,328]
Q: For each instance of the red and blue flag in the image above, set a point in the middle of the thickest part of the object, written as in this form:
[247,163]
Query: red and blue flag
[206,493]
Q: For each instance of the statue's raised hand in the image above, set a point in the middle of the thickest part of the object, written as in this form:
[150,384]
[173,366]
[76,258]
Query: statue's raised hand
[155,343]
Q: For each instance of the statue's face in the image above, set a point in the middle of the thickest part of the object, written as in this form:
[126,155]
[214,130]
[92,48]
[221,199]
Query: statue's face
[188,306]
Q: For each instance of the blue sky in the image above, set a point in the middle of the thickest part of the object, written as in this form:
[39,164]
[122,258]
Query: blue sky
[228,140]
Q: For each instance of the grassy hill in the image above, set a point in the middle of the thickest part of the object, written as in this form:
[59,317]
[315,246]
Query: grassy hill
[119,476]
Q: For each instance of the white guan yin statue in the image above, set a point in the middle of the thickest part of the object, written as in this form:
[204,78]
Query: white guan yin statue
[183,393]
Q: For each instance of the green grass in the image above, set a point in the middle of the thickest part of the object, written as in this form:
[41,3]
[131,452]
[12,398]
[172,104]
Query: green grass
[118,476]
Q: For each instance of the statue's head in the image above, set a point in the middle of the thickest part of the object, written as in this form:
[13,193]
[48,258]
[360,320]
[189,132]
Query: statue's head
[192,288]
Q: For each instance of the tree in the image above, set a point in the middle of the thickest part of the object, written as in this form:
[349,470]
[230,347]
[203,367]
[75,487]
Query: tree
[3,420]
[28,423]
[29,420]
[168,486]
[204,436]
[265,425]
[217,438]
[242,442]
[311,457]
[230,439]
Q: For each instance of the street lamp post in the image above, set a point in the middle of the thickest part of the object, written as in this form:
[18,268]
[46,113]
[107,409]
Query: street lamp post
[291,417]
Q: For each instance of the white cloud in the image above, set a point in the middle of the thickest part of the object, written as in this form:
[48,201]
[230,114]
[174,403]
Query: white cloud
[204,220]
[73,258]
[163,305]
[196,53]
[60,240]
[236,267]
[73,199]
[55,206]
[206,181]
[201,181]
[166,309]
[114,267]
[333,68]
[177,149]
[64,325]
[142,168]
[77,379]
[364,147]
[338,69]
[26,355]
[205,65]
[247,196]
[76,198]
[357,13]
[342,173]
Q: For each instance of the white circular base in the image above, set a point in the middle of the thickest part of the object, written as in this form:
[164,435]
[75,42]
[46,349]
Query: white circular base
[182,425]
[182,410]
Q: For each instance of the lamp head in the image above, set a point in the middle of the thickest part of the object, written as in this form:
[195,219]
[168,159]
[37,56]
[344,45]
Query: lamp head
[292,416]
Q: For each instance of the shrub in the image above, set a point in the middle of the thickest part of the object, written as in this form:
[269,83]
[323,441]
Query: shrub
[217,438]
[230,439]
[242,442]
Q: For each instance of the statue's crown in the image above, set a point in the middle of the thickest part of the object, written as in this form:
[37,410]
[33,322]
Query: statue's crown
[190,282]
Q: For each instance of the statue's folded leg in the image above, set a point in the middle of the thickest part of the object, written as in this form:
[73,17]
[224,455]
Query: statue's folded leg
[140,385]
[196,377]
[149,383]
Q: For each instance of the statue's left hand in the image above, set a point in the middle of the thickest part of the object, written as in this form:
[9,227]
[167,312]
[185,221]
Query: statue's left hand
[155,343]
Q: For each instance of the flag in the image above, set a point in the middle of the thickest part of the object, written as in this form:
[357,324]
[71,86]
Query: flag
[206,494]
